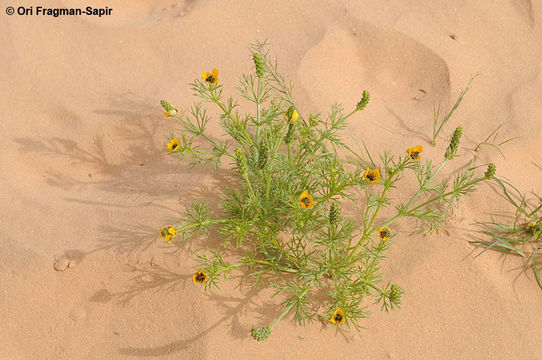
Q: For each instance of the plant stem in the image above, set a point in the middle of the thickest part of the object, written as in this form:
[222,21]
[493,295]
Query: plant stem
[399,214]
[228,113]
[205,136]
[291,306]
[274,265]
[286,311]
[205,223]
[258,111]
[470,183]
[280,136]
[366,228]
[349,114]
[426,183]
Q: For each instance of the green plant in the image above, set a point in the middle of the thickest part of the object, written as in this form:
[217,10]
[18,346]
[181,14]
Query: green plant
[523,235]
[436,113]
[282,217]
[491,140]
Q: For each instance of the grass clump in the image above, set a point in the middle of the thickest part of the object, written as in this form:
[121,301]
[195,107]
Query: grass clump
[283,217]
[491,140]
[521,236]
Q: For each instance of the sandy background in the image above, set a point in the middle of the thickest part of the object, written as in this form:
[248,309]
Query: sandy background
[85,174]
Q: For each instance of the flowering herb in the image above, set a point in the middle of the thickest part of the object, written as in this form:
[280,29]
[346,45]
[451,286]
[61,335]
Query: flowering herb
[283,214]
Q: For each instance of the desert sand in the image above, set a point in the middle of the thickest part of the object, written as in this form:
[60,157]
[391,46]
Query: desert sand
[87,182]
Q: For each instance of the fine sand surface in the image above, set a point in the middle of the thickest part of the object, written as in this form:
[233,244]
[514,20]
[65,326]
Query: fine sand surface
[86,180]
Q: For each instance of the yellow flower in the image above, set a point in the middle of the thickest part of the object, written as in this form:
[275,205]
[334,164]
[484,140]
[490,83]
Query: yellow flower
[171,112]
[167,233]
[338,317]
[414,152]
[200,277]
[291,115]
[372,175]
[305,200]
[173,144]
[384,233]
[211,78]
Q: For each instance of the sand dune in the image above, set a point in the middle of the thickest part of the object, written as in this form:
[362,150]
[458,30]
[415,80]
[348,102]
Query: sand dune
[85,174]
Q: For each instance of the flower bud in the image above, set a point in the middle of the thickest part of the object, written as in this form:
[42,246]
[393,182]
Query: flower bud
[451,151]
[260,334]
[364,101]
[258,62]
[490,172]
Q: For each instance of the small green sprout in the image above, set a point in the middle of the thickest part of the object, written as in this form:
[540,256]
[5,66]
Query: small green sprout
[491,140]
[436,113]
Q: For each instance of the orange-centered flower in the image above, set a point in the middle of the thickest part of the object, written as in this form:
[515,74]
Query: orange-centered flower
[291,115]
[305,200]
[167,233]
[200,277]
[212,77]
[372,175]
[384,233]
[414,152]
[173,144]
[171,112]
[338,317]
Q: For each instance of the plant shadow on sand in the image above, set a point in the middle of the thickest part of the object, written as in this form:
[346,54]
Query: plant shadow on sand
[140,175]
[157,278]
[232,308]
[127,162]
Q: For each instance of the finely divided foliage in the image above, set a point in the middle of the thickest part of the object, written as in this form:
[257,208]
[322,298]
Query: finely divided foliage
[283,214]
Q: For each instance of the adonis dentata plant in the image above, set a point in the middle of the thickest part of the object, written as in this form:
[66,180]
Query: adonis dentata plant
[283,217]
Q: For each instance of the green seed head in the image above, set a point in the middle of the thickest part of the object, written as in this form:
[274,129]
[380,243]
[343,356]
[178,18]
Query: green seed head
[258,62]
[364,101]
[167,106]
[260,334]
[395,295]
[289,134]
[490,172]
[262,156]
[241,161]
[451,151]
[334,213]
